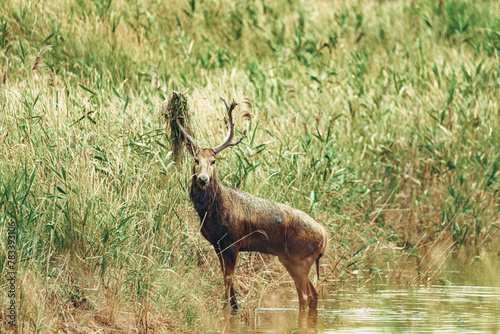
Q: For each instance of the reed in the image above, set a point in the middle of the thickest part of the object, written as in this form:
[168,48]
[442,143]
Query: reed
[378,119]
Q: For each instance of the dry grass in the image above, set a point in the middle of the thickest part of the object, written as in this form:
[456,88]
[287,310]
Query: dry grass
[387,136]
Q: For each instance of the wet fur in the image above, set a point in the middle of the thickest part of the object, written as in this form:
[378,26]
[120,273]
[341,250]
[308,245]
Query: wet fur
[233,221]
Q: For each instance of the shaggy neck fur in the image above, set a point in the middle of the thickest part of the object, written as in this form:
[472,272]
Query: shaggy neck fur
[205,199]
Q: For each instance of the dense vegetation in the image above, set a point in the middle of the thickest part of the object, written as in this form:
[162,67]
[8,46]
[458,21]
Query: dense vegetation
[378,118]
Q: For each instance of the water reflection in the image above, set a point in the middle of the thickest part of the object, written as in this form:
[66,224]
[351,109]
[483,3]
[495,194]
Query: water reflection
[429,309]
[381,307]
[378,309]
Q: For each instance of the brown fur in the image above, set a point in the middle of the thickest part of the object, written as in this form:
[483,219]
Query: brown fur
[233,221]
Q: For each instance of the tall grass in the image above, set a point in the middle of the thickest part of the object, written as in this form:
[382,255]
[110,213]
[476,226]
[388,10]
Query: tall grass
[379,119]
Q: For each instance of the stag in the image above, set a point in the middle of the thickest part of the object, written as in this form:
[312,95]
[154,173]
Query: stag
[234,221]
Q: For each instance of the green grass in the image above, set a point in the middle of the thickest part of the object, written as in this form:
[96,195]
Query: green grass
[379,119]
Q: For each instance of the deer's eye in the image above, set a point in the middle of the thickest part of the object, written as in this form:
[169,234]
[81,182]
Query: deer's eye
[213,162]
[196,161]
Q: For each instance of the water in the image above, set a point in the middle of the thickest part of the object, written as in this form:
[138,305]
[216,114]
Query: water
[380,309]
[469,303]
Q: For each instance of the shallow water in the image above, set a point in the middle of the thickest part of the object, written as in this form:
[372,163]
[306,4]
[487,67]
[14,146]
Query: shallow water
[469,303]
[379,309]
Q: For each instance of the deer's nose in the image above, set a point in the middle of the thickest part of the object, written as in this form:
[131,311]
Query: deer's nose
[203,180]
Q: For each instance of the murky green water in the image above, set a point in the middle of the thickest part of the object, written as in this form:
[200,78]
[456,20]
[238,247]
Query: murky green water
[469,304]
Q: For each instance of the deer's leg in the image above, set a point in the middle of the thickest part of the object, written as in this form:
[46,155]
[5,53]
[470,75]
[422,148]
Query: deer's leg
[299,270]
[313,297]
[228,263]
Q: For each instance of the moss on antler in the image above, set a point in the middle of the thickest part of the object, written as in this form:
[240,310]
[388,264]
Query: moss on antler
[177,109]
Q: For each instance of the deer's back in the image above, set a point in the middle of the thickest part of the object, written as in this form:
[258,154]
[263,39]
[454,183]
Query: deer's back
[262,225]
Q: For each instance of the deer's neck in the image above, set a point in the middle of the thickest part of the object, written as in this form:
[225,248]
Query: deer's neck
[206,200]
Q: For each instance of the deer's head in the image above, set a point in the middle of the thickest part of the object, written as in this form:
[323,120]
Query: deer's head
[204,158]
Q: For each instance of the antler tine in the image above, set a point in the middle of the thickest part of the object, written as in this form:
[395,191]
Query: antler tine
[229,108]
[230,124]
[225,102]
[226,120]
[243,135]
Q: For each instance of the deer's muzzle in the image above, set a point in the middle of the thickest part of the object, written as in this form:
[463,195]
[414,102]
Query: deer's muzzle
[202,180]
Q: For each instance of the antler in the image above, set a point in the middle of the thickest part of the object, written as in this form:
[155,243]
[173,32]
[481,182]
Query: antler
[230,125]
[193,145]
